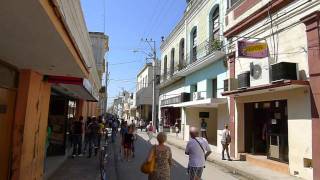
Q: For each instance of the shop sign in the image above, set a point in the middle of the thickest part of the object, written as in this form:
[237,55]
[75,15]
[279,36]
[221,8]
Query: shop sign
[252,49]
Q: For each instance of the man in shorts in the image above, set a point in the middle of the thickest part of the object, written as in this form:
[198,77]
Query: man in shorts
[198,150]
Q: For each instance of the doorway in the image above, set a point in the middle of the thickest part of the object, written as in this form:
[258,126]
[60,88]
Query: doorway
[266,129]
[7,108]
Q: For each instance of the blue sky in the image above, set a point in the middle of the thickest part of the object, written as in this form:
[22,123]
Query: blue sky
[126,22]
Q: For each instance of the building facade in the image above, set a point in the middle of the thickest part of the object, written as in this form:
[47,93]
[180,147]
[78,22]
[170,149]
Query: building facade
[144,93]
[273,54]
[193,70]
[36,79]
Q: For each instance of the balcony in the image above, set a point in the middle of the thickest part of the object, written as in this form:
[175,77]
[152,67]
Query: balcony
[205,53]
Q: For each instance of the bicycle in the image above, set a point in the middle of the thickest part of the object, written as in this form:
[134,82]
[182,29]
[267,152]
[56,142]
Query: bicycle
[103,159]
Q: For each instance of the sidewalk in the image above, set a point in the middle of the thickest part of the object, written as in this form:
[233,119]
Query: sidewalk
[238,167]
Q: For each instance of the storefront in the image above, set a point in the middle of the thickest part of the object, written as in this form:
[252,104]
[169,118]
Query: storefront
[266,129]
[8,86]
[273,126]
[171,119]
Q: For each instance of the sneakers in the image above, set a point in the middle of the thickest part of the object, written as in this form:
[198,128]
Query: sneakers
[80,155]
[73,155]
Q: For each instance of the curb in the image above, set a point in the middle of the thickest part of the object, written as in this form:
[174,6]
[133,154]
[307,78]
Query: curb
[228,167]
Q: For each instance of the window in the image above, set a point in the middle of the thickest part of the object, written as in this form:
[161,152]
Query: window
[194,88]
[214,88]
[181,53]
[172,62]
[232,3]
[214,23]
[165,67]
[194,44]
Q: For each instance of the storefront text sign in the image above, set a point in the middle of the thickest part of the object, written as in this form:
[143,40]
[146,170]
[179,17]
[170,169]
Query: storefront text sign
[252,49]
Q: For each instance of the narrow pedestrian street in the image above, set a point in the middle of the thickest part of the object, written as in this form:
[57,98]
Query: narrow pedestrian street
[131,170]
[82,168]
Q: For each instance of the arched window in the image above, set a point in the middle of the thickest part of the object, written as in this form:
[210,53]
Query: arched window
[172,62]
[214,23]
[194,44]
[181,53]
[165,72]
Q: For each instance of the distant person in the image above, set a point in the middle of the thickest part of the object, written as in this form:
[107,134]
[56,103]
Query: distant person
[150,130]
[114,130]
[204,129]
[141,124]
[134,132]
[93,136]
[128,139]
[225,141]
[163,158]
[77,130]
[198,150]
[177,129]
[86,134]
[100,131]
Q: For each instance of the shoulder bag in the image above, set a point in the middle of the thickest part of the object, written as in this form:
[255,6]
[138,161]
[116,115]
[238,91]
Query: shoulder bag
[148,167]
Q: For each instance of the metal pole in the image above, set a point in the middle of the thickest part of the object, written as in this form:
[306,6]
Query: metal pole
[154,67]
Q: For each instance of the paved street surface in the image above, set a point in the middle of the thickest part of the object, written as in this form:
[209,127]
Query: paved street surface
[78,168]
[131,170]
[82,168]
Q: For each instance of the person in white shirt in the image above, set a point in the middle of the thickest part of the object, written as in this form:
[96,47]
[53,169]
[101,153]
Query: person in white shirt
[225,141]
[198,150]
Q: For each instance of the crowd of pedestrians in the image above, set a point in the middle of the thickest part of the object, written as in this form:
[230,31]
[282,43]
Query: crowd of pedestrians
[197,147]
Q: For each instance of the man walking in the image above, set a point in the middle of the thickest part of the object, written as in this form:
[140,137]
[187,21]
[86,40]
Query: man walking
[77,130]
[93,136]
[198,150]
[225,141]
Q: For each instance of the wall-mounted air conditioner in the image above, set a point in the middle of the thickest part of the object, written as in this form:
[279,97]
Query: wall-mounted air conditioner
[284,71]
[197,96]
[259,72]
[229,84]
[244,80]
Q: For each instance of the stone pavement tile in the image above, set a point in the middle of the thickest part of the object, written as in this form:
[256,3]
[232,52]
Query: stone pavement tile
[78,168]
[241,167]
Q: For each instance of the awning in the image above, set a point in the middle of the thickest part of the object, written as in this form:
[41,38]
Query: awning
[78,88]
[274,87]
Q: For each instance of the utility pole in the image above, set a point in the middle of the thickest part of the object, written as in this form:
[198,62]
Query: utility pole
[106,89]
[154,75]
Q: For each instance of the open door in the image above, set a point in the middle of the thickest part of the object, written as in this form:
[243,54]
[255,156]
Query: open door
[7,104]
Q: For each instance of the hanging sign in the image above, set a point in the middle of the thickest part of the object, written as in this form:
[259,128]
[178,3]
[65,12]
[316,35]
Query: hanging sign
[252,49]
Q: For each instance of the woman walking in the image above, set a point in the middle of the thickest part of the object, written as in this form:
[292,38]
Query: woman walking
[163,158]
[127,143]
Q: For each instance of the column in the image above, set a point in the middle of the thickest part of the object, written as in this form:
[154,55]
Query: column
[231,61]
[312,22]
[30,126]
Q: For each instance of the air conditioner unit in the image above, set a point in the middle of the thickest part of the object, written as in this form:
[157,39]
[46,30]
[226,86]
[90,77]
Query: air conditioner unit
[229,84]
[244,80]
[259,72]
[284,71]
[197,96]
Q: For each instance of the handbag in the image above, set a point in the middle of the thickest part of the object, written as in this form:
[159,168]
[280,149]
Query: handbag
[148,167]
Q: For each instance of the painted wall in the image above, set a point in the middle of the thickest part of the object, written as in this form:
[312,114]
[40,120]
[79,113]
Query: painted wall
[299,118]
[203,78]
[30,126]
[192,119]
[198,16]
